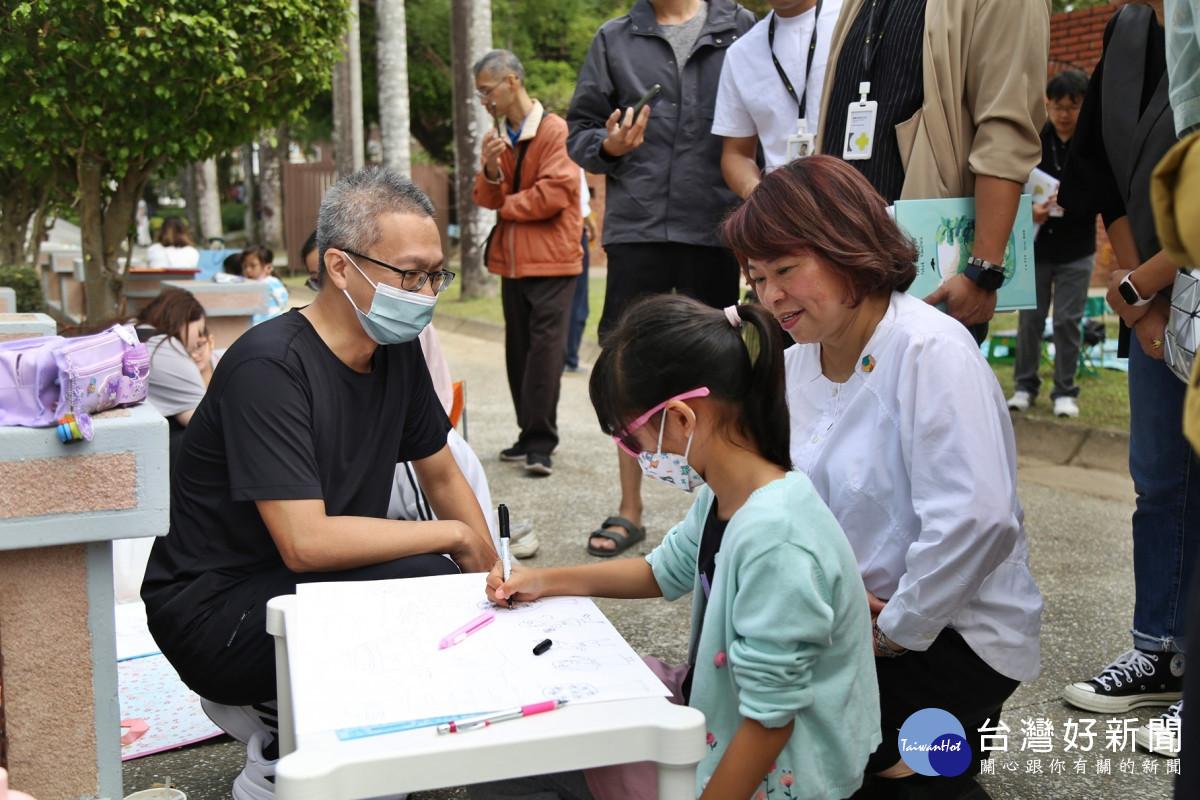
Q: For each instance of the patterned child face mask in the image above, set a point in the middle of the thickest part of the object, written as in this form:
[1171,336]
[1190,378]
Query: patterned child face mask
[667,468]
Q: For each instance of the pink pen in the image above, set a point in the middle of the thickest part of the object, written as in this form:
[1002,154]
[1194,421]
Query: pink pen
[471,723]
[458,634]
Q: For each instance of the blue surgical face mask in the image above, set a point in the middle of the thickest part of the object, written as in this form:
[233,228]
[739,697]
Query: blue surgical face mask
[396,316]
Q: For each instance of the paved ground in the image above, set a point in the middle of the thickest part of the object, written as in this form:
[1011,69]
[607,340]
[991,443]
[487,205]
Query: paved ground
[1078,528]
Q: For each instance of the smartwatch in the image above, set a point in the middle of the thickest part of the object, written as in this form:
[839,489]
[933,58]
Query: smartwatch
[985,274]
[1129,292]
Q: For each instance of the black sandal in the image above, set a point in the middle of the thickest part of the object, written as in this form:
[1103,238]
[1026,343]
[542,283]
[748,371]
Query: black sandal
[633,535]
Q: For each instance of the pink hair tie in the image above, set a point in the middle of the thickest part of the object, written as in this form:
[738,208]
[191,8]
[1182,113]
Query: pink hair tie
[731,314]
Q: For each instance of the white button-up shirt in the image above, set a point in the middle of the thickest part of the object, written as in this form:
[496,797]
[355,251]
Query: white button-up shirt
[915,456]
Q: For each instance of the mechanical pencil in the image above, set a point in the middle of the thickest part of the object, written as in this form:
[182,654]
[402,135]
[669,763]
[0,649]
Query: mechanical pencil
[471,723]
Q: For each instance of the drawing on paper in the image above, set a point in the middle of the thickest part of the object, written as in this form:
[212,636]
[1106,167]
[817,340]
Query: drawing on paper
[366,654]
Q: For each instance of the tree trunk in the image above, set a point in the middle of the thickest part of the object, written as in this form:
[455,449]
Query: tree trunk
[188,182]
[103,229]
[348,145]
[101,283]
[249,195]
[470,38]
[35,236]
[208,202]
[18,202]
[12,238]
[272,149]
[392,53]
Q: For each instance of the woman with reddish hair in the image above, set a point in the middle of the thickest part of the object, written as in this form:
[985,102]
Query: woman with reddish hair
[902,428]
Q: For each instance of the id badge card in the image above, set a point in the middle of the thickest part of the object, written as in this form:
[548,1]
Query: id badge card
[860,130]
[800,145]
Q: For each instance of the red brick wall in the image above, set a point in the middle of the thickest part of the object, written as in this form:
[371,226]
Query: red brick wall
[1077,37]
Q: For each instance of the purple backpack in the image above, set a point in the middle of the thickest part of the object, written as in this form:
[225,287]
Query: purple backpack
[52,380]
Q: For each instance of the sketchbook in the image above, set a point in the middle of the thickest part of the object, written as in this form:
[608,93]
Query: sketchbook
[944,232]
[364,656]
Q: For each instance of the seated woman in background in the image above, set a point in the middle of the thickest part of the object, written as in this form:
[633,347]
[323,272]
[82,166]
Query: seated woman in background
[173,326]
[181,365]
[174,248]
[900,424]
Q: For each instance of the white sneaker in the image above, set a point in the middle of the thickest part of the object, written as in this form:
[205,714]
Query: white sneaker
[242,722]
[523,542]
[1063,407]
[257,780]
[1162,735]
[1020,401]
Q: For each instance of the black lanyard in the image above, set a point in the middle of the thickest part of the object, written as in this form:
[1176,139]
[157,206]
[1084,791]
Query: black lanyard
[876,19]
[812,49]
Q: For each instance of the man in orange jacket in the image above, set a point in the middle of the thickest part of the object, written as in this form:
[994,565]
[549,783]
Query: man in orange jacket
[533,185]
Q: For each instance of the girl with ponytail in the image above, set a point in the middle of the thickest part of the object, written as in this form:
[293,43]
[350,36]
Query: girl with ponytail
[780,624]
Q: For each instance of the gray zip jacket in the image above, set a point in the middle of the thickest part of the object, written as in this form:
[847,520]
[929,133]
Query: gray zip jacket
[670,188]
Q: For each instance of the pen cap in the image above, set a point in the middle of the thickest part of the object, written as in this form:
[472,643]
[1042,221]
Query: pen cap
[502,516]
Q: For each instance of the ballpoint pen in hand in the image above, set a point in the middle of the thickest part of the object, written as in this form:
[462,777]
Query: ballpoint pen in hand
[471,723]
[505,556]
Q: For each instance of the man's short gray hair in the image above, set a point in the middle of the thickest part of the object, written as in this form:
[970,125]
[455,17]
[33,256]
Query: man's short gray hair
[499,63]
[350,209]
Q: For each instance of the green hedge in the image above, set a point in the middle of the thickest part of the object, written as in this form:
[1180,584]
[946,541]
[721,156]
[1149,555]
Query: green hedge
[233,216]
[24,281]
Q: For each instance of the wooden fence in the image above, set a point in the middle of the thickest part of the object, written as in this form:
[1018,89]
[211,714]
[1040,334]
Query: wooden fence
[305,184]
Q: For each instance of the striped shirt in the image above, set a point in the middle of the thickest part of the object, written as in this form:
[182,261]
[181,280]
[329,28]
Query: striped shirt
[897,85]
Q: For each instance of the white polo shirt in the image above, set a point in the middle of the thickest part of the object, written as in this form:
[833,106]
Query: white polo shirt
[915,456]
[751,97]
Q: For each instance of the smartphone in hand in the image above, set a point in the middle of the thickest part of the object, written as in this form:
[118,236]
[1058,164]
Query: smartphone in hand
[649,98]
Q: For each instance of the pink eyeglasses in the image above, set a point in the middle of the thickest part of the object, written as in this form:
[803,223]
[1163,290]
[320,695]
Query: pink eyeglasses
[644,418]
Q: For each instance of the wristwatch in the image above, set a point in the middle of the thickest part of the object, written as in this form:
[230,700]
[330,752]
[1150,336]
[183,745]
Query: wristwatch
[985,274]
[1129,292]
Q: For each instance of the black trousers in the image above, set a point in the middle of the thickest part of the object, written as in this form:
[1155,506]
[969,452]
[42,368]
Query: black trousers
[950,676]
[709,274]
[226,654]
[536,316]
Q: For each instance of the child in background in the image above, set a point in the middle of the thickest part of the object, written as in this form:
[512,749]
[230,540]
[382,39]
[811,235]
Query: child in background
[782,664]
[232,265]
[256,266]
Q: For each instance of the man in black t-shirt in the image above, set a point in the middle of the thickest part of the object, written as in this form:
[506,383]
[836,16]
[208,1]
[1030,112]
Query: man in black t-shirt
[285,471]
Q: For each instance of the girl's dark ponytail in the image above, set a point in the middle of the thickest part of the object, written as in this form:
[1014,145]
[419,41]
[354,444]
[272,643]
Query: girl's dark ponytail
[764,411]
[668,344]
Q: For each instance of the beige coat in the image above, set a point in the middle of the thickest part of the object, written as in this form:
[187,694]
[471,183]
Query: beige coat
[984,71]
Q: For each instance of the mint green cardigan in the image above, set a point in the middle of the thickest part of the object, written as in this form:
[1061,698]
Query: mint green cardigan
[785,635]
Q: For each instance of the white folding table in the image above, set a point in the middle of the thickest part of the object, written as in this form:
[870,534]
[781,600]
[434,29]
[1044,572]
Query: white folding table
[319,766]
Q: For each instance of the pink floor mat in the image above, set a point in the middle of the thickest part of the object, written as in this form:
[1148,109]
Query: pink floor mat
[150,692]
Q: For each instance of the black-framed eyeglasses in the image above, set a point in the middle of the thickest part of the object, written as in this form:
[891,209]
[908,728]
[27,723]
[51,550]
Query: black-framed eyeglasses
[411,280]
[313,283]
[484,94]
